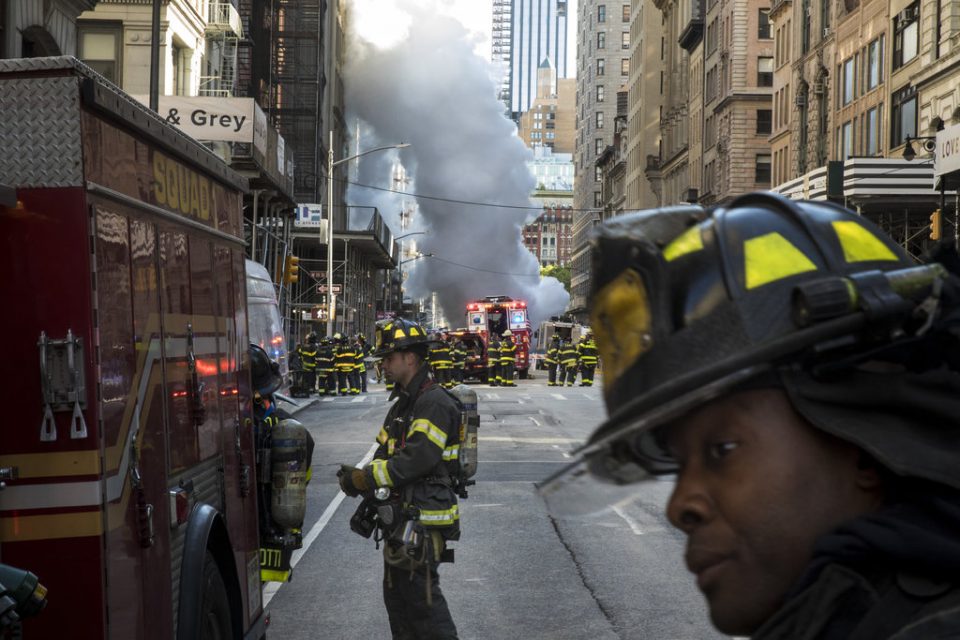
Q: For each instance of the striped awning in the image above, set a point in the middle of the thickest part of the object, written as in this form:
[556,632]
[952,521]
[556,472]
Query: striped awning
[810,186]
[888,178]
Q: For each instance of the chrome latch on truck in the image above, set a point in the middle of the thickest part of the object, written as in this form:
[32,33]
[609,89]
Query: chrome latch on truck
[62,382]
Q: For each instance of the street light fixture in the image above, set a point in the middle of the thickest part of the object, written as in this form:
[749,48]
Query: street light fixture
[330,166]
[413,233]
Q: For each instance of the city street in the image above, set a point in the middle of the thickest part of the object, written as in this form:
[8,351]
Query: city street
[518,572]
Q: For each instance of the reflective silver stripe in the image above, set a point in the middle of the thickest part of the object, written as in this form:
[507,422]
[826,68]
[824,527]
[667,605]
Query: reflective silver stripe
[440,517]
[452,452]
[380,474]
[435,434]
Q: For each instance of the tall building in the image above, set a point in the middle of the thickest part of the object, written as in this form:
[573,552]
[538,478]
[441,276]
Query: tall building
[550,120]
[648,44]
[524,33]
[603,66]
[550,236]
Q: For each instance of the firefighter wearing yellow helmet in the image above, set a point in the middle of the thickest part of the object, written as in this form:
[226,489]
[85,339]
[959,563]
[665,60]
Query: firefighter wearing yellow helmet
[411,480]
[800,374]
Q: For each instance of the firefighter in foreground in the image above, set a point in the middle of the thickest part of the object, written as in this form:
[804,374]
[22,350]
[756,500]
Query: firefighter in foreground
[284,461]
[416,466]
[801,376]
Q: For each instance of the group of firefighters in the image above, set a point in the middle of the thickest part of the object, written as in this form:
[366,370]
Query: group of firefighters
[330,365]
[564,358]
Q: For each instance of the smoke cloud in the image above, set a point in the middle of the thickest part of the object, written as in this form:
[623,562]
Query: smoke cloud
[430,89]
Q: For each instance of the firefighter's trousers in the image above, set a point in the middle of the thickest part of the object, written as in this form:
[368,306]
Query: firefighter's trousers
[568,374]
[442,376]
[493,374]
[506,373]
[343,381]
[309,381]
[586,375]
[354,381]
[458,374]
[552,374]
[411,618]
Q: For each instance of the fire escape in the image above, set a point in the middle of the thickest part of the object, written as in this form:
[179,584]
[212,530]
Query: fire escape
[297,88]
[223,32]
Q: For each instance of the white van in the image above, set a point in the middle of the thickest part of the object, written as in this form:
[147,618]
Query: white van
[263,321]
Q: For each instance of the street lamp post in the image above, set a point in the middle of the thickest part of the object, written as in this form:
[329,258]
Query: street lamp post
[331,298]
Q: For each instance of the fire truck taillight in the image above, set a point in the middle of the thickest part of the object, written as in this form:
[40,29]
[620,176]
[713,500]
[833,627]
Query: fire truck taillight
[179,507]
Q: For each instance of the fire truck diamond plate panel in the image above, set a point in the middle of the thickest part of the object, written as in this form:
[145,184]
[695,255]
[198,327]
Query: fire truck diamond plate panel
[40,133]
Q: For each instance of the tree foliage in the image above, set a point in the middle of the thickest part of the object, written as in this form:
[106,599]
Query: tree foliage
[560,273]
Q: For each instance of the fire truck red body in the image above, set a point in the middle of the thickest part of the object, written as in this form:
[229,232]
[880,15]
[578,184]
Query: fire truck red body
[127,430]
[496,314]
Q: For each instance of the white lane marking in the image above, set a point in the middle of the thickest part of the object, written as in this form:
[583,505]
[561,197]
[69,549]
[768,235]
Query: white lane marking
[358,399]
[520,401]
[534,420]
[558,396]
[634,525]
[273,587]
[489,504]
[327,399]
[492,396]
[515,440]
[589,397]
[563,453]
[524,462]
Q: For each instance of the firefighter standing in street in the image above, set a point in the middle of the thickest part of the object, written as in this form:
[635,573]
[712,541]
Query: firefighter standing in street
[568,363]
[308,361]
[508,359]
[325,370]
[344,360]
[587,355]
[552,360]
[440,361]
[493,360]
[800,374]
[459,353]
[418,448]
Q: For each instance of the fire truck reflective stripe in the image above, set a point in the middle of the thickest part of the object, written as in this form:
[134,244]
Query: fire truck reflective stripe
[441,517]
[380,474]
[47,527]
[435,434]
[50,496]
[452,452]
[61,463]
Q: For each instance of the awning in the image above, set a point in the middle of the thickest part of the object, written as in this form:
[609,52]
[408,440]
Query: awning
[819,184]
[890,181]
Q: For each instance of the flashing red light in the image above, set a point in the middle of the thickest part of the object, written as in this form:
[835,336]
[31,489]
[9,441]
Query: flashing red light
[179,394]
[523,304]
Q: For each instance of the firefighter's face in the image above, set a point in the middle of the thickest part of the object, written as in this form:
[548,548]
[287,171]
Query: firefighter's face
[399,366]
[757,486]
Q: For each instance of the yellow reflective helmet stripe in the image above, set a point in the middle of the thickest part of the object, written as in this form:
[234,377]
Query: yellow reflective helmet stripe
[440,517]
[380,473]
[690,241]
[414,331]
[621,320]
[399,334]
[859,244]
[435,434]
[452,452]
[772,257]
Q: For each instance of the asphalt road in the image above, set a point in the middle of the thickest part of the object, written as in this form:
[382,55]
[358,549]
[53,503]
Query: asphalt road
[519,571]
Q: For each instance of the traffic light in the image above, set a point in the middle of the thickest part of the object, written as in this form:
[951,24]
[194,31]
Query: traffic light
[291,269]
[936,222]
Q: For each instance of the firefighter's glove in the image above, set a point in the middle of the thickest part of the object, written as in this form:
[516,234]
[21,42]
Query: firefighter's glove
[353,481]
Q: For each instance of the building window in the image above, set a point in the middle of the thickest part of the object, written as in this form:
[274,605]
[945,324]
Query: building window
[849,81]
[872,134]
[598,146]
[601,40]
[601,66]
[597,174]
[764,72]
[764,121]
[599,119]
[763,25]
[625,15]
[762,167]
[625,40]
[903,115]
[600,93]
[100,49]
[180,70]
[875,63]
[602,13]
[906,33]
[597,199]
[625,66]
[846,140]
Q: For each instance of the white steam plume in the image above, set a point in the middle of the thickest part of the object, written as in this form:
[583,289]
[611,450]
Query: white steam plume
[429,89]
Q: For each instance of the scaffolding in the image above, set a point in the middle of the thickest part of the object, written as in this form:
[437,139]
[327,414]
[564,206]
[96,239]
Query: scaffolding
[297,85]
[223,32]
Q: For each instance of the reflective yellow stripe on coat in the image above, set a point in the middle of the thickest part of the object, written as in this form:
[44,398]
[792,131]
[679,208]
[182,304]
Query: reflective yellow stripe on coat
[435,434]
[441,517]
[380,474]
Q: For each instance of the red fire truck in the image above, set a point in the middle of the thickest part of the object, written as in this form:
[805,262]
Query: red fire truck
[127,447]
[496,314]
